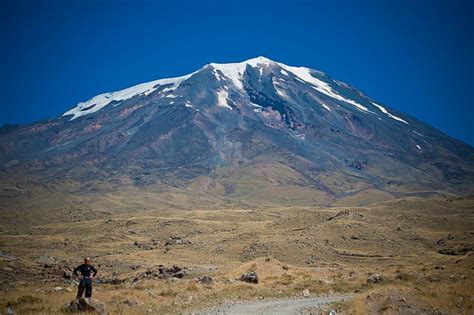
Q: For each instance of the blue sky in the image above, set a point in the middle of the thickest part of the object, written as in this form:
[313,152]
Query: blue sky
[413,56]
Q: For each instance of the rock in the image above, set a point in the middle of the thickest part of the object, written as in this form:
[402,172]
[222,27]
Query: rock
[374,278]
[67,275]
[46,261]
[135,267]
[7,255]
[456,251]
[204,280]
[176,240]
[306,293]
[130,222]
[345,214]
[10,310]
[143,245]
[173,272]
[132,302]
[250,277]
[163,272]
[86,305]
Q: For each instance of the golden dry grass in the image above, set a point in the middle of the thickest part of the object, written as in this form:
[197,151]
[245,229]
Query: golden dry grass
[325,250]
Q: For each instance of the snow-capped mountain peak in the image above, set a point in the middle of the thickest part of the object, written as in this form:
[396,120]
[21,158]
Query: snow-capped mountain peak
[233,74]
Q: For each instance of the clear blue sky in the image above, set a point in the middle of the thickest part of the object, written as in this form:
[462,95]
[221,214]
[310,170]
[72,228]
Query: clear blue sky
[414,56]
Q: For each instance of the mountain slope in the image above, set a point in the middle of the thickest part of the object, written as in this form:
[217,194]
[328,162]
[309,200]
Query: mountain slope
[255,132]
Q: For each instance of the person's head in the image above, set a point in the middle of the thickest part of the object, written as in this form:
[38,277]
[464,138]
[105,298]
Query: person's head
[87,260]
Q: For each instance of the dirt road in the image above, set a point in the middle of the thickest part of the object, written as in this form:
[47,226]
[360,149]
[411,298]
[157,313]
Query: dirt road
[274,306]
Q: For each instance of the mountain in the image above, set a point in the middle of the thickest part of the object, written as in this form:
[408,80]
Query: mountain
[257,132]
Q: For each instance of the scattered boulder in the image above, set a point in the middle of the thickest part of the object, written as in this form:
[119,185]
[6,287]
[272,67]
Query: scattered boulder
[250,277]
[346,214]
[173,272]
[67,275]
[162,273]
[135,267]
[144,246]
[86,305]
[374,278]
[456,251]
[132,302]
[7,256]
[46,261]
[10,310]
[256,250]
[204,280]
[130,222]
[57,271]
[306,293]
[176,240]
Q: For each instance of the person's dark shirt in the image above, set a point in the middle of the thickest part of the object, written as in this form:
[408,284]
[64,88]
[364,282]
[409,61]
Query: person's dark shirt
[85,270]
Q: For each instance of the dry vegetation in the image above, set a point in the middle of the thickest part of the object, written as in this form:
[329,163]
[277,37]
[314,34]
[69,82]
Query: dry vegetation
[423,248]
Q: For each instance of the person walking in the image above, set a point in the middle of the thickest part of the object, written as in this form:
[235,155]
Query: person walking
[86,272]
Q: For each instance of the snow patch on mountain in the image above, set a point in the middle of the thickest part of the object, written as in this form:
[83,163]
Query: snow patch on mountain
[232,71]
[100,101]
[280,92]
[383,110]
[235,71]
[222,99]
[325,106]
[304,75]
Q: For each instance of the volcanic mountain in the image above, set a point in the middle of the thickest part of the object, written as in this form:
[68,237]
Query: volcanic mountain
[254,132]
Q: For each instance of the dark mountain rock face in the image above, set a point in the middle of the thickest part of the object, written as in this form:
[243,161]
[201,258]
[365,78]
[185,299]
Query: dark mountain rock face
[253,132]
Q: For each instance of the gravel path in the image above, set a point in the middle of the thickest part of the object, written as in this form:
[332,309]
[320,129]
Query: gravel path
[273,306]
